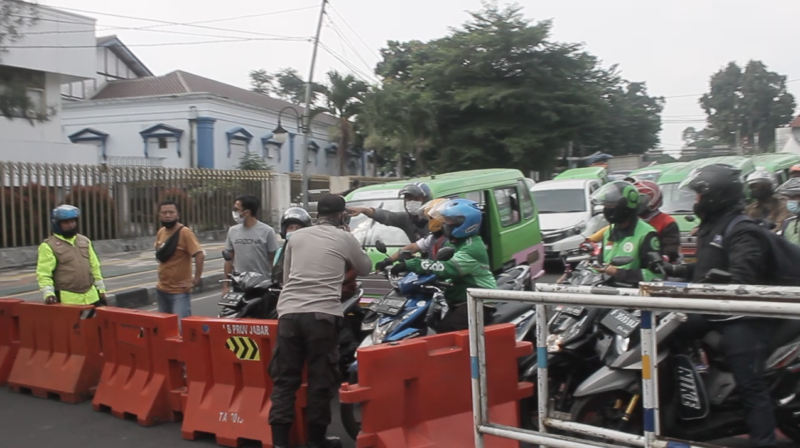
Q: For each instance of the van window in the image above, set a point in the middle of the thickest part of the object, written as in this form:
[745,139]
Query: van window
[527,201]
[507,205]
[476,196]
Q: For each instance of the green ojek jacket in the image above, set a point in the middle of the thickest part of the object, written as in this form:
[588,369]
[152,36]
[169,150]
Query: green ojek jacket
[636,240]
[469,268]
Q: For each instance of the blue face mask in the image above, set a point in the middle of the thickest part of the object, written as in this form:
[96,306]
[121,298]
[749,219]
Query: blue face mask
[793,207]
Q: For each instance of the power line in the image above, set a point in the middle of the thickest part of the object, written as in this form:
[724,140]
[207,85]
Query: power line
[349,44]
[347,64]
[354,31]
[159,44]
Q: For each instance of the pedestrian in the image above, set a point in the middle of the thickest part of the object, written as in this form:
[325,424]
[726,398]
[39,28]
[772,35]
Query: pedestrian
[745,253]
[791,226]
[176,246]
[768,205]
[251,243]
[68,269]
[309,321]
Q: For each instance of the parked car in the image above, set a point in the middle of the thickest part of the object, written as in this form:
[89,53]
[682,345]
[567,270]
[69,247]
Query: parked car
[566,214]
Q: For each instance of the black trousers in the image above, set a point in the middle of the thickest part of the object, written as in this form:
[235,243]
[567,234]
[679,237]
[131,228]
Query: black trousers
[305,338]
[457,318]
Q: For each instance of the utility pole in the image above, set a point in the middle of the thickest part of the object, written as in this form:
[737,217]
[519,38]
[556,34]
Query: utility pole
[307,111]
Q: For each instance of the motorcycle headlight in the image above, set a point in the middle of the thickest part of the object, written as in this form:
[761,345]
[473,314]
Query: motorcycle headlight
[554,342]
[621,344]
[368,326]
[382,330]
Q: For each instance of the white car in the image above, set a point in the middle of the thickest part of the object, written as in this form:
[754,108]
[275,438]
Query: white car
[566,215]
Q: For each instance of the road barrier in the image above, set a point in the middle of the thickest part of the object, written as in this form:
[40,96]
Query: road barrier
[415,393]
[229,386]
[758,301]
[140,369]
[9,337]
[59,352]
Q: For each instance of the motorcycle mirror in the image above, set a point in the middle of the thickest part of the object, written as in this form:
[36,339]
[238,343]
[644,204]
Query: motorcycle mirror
[380,246]
[227,255]
[597,209]
[445,254]
[621,261]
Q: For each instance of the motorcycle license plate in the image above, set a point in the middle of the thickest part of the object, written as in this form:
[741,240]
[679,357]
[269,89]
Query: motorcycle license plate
[575,311]
[231,299]
[621,322]
[390,306]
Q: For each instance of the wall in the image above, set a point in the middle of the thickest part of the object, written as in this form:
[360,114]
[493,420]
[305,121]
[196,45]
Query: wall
[108,68]
[56,29]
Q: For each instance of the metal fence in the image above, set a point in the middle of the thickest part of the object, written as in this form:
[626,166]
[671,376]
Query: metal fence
[760,301]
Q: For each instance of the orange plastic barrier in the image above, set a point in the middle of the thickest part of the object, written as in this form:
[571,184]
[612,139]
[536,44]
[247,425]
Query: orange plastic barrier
[229,384]
[59,352]
[418,393]
[138,373]
[9,337]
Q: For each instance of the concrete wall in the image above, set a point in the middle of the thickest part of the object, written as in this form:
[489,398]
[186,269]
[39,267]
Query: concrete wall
[108,67]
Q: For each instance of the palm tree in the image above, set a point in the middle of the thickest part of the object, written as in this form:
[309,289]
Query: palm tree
[344,97]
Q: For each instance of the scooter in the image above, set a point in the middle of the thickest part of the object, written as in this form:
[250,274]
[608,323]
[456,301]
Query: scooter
[699,401]
[251,295]
[416,303]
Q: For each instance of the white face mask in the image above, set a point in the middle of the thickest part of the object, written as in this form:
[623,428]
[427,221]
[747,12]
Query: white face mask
[288,234]
[237,217]
[413,207]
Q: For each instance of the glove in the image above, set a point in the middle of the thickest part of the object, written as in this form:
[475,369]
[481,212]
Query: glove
[102,301]
[399,268]
[670,270]
[51,300]
[383,264]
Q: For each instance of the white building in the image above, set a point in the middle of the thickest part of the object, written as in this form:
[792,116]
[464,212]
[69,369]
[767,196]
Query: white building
[788,139]
[60,48]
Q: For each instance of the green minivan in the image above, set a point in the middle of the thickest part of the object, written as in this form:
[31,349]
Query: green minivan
[654,172]
[778,163]
[510,228]
[589,172]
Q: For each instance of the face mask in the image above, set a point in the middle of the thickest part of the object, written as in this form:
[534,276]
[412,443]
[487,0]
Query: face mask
[793,207]
[288,234]
[169,224]
[237,217]
[615,215]
[412,207]
[761,193]
[69,233]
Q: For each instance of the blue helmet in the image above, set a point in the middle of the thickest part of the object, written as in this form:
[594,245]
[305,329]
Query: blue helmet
[462,218]
[63,213]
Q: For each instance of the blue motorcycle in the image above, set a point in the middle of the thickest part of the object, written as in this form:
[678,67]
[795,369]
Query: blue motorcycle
[414,306]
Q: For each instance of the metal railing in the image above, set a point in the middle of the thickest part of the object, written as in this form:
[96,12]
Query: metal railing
[758,301]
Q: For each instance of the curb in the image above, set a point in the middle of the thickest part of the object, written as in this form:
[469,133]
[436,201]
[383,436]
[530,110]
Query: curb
[139,297]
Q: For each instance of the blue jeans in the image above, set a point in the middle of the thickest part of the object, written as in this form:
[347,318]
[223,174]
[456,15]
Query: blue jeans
[180,304]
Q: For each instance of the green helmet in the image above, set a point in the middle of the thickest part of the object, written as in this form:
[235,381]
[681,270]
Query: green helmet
[617,194]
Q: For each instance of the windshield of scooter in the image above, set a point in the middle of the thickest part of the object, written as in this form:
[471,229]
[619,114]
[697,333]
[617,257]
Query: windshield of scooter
[411,282]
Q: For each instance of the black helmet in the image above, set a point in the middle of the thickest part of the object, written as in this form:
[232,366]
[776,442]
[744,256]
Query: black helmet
[719,186]
[294,215]
[620,201]
[418,190]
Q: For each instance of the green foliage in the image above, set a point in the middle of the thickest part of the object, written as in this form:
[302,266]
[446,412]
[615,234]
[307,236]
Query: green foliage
[285,84]
[702,139]
[344,99]
[14,100]
[15,15]
[251,161]
[750,102]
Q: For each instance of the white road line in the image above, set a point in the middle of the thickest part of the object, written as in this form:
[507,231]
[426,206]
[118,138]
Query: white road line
[196,299]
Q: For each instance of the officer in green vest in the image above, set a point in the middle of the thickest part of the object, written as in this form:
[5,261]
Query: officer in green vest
[627,235]
[790,228]
[68,270]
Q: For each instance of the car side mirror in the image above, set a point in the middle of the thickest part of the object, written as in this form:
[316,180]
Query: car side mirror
[380,246]
[227,255]
[597,210]
[621,261]
[445,254]
[691,218]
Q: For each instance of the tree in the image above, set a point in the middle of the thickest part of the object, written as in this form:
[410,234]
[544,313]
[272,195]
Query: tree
[285,84]
[748,104]
[251,161]
[344,97]
[15,15]
[261,81]
[702,139]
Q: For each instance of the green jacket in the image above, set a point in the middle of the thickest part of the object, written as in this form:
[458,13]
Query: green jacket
[46,265]
[636,241]
[469,268]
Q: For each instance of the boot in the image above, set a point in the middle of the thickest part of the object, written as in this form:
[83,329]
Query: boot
[317,439]
[280,436]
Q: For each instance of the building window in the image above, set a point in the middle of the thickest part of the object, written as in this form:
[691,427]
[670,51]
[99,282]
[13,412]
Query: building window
[162,143]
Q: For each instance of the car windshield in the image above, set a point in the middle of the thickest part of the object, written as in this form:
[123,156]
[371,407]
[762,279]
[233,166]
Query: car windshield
[677,200]
[560,201]
[367,232]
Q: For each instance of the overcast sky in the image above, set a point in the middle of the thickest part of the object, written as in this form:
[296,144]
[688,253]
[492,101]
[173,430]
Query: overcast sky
[674,46]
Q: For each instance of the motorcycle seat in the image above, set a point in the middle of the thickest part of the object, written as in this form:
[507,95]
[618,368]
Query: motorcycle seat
[505,312]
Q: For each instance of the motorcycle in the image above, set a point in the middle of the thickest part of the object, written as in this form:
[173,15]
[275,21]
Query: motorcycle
[251,296]
[699,401]
[413,306]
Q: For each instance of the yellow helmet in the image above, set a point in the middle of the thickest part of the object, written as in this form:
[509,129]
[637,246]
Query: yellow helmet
[431,211]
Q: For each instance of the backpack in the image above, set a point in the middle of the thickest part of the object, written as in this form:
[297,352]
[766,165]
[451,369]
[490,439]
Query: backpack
[784,266]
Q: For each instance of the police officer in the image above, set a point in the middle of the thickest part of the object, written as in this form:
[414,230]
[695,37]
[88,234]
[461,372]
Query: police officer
[627,235]
[68,270]
[309,321]
[414,195]
[745,255]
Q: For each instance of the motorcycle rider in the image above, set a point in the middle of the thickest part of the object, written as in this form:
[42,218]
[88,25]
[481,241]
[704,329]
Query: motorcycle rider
[67,268]
[468,268]
[429,244]
[745,256]
[293,218]
[794,171]
[768,205]
[627,235]
[650,201]
[790,228]
[414,196]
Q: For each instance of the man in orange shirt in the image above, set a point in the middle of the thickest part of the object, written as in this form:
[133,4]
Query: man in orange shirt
[175,246]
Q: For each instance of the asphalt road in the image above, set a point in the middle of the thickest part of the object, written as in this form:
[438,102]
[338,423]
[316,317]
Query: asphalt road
[28,422]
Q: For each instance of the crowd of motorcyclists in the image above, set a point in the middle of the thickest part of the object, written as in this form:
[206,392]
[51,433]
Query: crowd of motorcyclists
[318,263]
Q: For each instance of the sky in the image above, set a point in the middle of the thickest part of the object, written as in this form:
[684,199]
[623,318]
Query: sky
[674,46]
